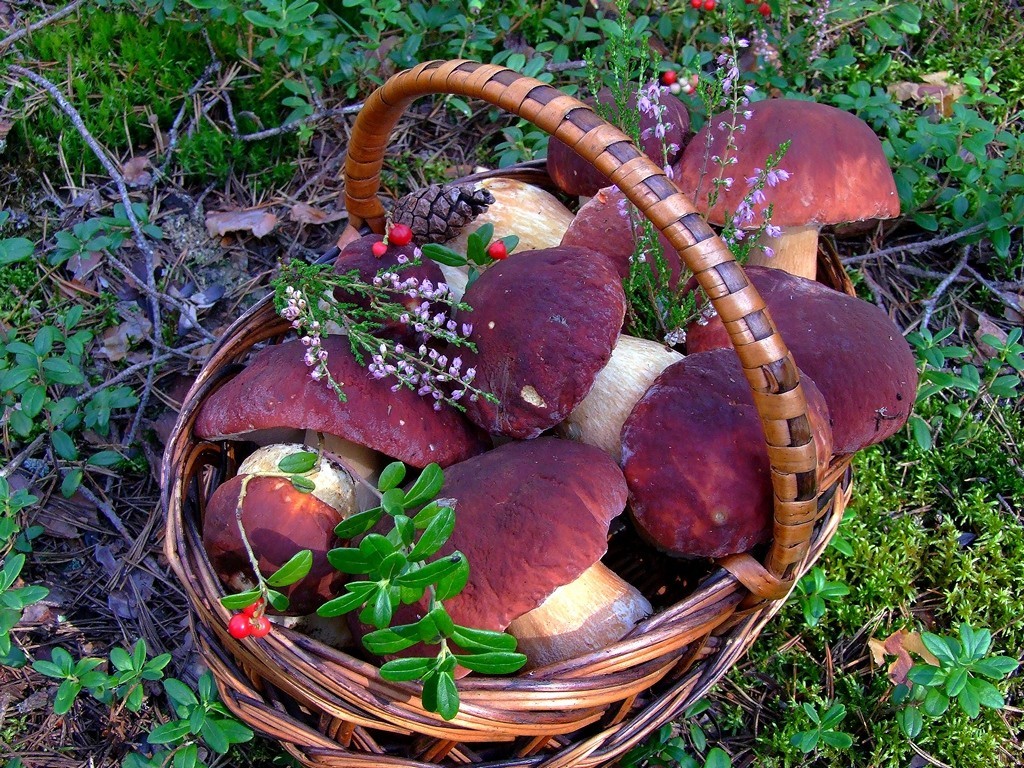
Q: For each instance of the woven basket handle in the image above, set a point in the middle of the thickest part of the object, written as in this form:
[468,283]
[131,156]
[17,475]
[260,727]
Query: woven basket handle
[768,366]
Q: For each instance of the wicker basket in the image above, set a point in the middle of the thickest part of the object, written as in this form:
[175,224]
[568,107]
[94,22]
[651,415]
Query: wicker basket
[332,709]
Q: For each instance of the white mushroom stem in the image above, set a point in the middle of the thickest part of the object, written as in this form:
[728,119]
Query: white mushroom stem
[332,484]
[633,367]
[366,462]
[536,216]
[795,251]
[592,612]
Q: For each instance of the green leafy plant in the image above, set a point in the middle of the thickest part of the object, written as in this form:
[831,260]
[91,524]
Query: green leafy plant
[396,569]
[814,590]
[480,251]
[668,748]
[36,380]
[123,685]
[963,674]
[825,730]
[951,399]
[201,719]
[14,600]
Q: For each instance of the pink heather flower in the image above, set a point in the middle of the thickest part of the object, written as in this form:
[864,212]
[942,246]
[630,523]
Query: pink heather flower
[769,252]
[773,231]
[776,176]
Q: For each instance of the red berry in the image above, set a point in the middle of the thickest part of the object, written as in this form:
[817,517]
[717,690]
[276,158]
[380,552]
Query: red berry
[249,610]
[497,250]
[400,234]
[239,626]
[379,248]
[709,5]
[260,626]
[668,77]
[698,4]
[765,10]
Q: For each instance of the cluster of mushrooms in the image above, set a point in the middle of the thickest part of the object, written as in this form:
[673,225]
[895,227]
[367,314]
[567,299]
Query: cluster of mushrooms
[589,423]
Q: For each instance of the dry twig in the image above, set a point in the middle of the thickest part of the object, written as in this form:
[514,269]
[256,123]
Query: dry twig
[921,245]
[14,37]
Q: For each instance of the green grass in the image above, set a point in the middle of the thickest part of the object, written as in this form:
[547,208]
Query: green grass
[935,543]
[126,78]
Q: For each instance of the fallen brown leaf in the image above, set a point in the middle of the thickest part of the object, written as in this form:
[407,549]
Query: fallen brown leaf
[933,89]
[136,172]
[303,213]
[900,644]
[260,223]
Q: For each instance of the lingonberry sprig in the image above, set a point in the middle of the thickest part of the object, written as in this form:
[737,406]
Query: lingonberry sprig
[428,310]
[251,620]
[481,252]
[399,564]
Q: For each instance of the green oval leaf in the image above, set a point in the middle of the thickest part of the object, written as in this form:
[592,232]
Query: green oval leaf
[495,663]
[400,670]
[358,524]
[302,484]
[241,600]
[294,570]
[393,474]
[426,487]
[435,534]
[443,255]
[298,462]
[426,575]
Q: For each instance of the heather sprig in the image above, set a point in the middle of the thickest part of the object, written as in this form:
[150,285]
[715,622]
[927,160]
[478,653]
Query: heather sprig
[428,310]
[723,93]
[655,309]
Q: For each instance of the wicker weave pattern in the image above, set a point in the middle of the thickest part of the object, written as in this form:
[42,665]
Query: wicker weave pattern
[331,709]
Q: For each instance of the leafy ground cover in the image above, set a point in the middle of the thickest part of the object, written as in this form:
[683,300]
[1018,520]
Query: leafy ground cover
[135,135]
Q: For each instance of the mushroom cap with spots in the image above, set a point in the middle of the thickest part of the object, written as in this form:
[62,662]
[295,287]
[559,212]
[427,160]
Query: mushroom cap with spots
[850,348]
[275,389]
[695,458]
[544,324]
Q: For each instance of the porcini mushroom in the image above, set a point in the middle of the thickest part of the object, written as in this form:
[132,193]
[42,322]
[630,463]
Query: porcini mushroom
[836,172]
[279,521]
[604,224]
[276,390]
[634,365]
[695,460]
[358,257]
[850,348]
[532,520]
[544,323]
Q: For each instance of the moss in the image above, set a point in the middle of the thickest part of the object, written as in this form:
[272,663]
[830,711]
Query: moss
[127,77]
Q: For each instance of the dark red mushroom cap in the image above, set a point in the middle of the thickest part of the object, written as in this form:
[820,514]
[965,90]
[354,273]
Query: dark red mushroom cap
[838,169]
[603,224]
[279,522]
[850,348]
[695,458]
[544,324]
[531,517]
[276,390]
[358,256]
[575,176]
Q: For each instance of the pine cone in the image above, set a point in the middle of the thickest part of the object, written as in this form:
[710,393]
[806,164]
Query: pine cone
[437,213]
